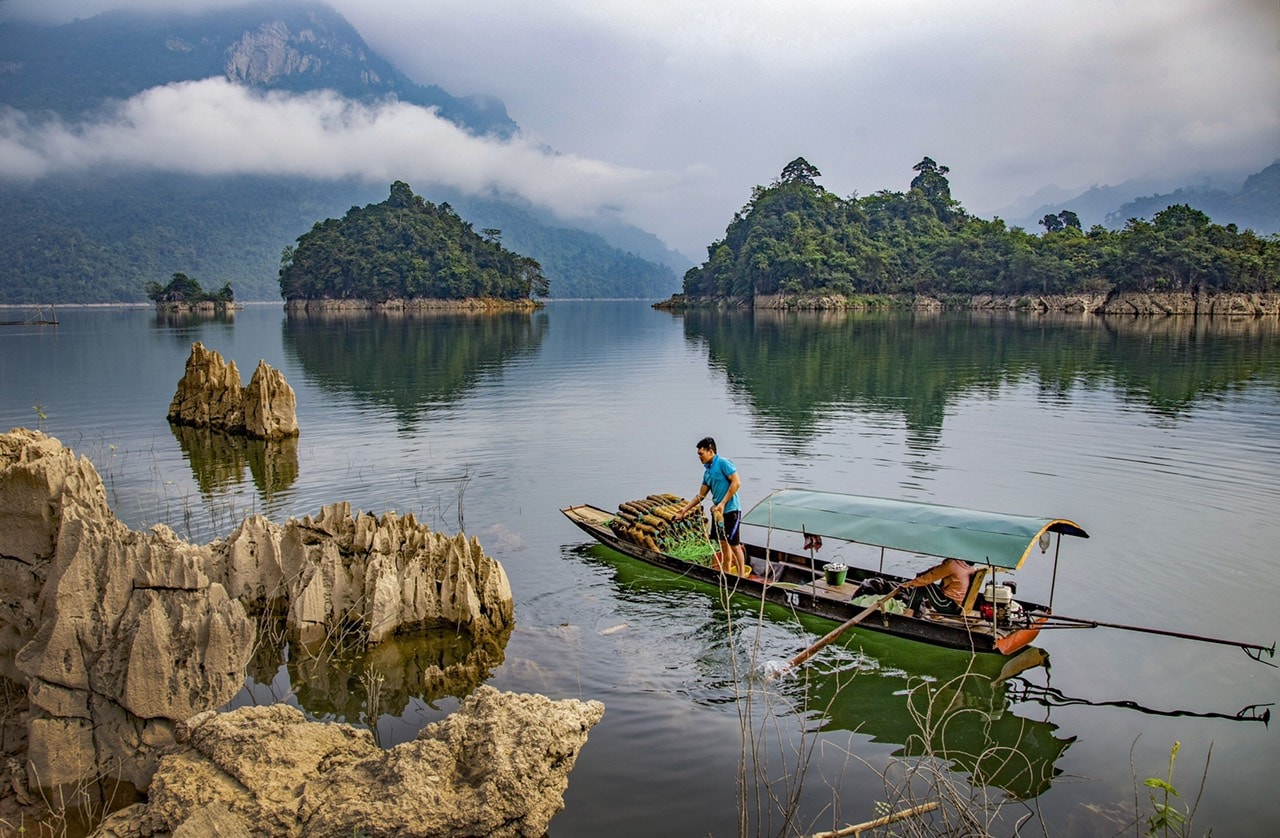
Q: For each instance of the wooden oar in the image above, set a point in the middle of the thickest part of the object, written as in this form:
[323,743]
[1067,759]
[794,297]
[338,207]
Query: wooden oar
[836,632]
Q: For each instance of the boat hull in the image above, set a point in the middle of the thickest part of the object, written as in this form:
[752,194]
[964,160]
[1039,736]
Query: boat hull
[802,587]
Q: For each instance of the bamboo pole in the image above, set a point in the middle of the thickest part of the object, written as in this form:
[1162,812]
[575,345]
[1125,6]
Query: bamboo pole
[836,632]
[859,828]
[1257,650]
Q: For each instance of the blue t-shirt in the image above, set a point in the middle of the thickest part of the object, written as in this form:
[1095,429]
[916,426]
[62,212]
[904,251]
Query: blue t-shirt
[715,476]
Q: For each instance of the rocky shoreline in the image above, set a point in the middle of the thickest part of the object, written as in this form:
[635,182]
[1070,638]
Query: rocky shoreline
[1125,304]
[498,766]
[483,305]
[116,646]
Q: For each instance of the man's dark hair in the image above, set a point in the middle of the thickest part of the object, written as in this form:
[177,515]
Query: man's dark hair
[707,443]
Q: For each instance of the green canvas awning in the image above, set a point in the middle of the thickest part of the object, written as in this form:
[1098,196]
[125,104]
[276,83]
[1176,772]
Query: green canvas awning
[945,531]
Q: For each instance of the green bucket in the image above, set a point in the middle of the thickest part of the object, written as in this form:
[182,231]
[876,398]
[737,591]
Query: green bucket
[836,573]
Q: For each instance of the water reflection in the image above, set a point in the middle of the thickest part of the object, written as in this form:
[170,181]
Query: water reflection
[929,702]
[218,460]
[169,318]
[1022,689]
[339,680]
[795,367]
[182,328]
[411,361]
[940,704]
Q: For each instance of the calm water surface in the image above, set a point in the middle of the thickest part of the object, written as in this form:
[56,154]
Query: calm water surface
[1162,438]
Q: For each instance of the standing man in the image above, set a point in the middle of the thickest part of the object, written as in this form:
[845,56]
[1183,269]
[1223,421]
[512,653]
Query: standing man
[720,478]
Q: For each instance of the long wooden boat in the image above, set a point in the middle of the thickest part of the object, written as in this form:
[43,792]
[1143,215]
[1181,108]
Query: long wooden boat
[994,542]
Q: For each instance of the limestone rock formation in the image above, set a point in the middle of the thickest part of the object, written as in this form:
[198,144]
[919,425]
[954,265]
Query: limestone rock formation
[210,395]
[498,766]
[1197,303]
[384,573]
[270,408]
[1186,302]
[1040,303]
[118,635]
[267,55]
[115,634]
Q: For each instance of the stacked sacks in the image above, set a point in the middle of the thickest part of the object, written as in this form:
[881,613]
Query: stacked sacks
[651,522]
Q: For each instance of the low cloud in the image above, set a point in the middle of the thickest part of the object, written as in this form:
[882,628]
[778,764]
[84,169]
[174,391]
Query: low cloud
[671,112]
[214,127]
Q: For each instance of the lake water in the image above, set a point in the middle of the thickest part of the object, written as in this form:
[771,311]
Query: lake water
[1160,436]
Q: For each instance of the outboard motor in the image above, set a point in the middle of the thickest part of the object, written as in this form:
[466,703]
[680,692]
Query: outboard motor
[997,602]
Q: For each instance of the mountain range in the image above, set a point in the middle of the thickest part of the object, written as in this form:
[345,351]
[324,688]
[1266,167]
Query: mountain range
[99,236]
[1248,200]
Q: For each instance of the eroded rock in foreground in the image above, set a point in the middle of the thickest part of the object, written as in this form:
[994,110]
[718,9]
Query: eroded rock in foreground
[498,766]
[117,636]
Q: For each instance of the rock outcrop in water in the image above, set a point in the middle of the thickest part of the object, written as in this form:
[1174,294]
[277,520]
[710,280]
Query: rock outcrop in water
[383,573]
[498,766]
[117,636]
[210,395]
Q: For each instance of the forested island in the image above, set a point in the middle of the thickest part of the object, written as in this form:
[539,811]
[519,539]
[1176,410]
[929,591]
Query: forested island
[797,241]
[407,250]
[183,291]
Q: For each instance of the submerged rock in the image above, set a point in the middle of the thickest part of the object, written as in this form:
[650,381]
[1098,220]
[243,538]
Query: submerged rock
[210,395]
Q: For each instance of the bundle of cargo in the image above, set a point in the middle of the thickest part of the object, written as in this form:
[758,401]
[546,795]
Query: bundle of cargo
[651,522]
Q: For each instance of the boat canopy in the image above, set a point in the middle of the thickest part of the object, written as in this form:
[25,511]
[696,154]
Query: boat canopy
[988,538]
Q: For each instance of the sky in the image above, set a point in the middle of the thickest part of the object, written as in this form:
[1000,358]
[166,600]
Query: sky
[666,113]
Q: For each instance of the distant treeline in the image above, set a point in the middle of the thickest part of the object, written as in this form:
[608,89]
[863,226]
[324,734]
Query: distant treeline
[100,237]
[794,237]
[405,248]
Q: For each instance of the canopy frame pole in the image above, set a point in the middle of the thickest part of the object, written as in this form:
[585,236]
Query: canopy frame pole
[1053,582]
[882,561]
[813,578]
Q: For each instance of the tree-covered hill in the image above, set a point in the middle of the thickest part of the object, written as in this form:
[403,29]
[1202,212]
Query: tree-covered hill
[405,248]
[71,239]
[100,239]
[794,237]
[619,262]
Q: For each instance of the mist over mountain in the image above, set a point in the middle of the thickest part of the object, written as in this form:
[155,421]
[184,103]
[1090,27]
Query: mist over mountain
[1248,200]
[98,234]
[295,47]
